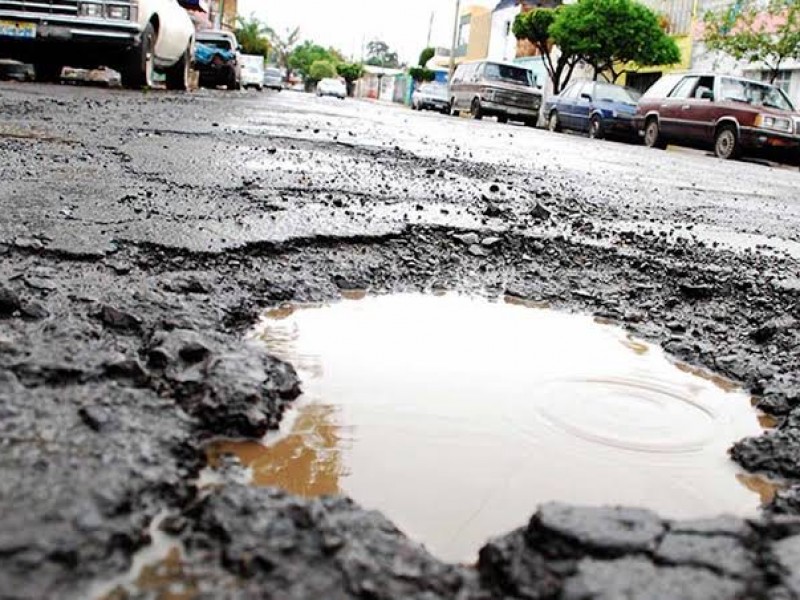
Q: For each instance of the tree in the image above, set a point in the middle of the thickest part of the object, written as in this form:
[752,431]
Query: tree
[380,55]
[350,72]
[611,34]
[534,26]
[752,31]
[321,69]
[421,74]
[305,55]
[426,56]
[284,46]
[253,36]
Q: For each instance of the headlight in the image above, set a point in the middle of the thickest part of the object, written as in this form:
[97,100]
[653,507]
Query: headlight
[90,9]
[772,122]
[120,12]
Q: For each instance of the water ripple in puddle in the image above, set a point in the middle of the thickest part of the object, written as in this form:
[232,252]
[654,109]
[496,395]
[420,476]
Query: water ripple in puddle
[457,416]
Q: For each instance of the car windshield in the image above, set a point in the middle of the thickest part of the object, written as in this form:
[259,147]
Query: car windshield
[518,75]
[662,87]
[273,73]
[435,91]
[616,93]
[753,93]
[220,43]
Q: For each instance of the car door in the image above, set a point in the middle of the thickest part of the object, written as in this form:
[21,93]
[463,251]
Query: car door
[566,104]
[674,110]
[584,102]
[698,112]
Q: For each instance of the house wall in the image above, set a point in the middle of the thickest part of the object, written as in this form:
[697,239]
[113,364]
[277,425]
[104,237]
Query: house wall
[503,43]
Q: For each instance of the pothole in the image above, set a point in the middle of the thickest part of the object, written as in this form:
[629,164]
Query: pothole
[457,416]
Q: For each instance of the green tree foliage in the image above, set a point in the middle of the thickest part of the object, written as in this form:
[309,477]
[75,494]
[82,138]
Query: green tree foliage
[426,55]
[611,34]
[534,26]
[305,55]
[752,31]
[253,36]
[421,74]
[321,69]
[380,55]
[283,46]
[350,72]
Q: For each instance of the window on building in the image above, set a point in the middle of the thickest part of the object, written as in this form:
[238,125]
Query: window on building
[508,28]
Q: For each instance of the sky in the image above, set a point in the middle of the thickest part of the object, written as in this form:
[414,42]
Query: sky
[346,24]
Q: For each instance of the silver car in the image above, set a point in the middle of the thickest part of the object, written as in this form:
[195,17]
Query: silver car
[488,88]
[431,96]
[273,79]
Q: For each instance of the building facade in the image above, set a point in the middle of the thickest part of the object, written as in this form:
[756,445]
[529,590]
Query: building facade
[503,42]
[474,32]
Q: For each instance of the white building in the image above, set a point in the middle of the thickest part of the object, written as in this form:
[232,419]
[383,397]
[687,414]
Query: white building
[502,43]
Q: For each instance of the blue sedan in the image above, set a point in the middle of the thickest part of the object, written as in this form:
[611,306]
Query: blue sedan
[599,108]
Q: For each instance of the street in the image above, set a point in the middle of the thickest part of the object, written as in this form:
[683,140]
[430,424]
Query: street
[143,234]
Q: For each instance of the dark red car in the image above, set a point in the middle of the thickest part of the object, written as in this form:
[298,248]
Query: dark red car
[732,115]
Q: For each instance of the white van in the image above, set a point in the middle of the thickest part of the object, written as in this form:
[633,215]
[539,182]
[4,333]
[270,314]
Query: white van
[253,71]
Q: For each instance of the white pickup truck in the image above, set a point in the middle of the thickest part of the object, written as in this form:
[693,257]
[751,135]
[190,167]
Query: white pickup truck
[134,37]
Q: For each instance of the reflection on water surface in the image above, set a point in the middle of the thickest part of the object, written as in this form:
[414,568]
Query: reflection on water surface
[457,416]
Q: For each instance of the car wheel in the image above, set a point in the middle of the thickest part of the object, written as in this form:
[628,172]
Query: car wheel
[139,68]
[446,110]
[553,122]
[178,74]
[233,82]
[596,128]
[476,110]
[47,73]
[726,143]
[652,135]
[502,118]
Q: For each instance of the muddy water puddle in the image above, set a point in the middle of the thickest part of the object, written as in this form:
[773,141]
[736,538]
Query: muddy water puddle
[457,416]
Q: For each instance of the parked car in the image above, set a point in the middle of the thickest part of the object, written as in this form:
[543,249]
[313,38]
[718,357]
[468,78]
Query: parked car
[134,37]
[273,79]
[496,89]
[252,71]
[732,115]
[332,87]
[597,108]
[431,96]
[16,71]
[218,59]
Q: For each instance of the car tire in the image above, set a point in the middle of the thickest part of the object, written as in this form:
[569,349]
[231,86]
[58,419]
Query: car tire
[47,72]
[178,74]
[446,110]
[139,66]
[233,83]
[553,122]
[596,128]
[476,110]
[502,118]
[726,143]
[652,135]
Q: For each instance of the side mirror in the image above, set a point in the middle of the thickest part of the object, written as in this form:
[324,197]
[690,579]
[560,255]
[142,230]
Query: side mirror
[586,97]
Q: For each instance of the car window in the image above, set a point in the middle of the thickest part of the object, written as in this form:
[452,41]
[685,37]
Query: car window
[662,87]
[753,93]
[685,88]
[458,76]
[508,73]
[585,88]
[569,92]
[615,93]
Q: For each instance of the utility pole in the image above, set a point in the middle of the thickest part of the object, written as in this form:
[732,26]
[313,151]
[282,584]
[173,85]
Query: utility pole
[455,41]
[430,32]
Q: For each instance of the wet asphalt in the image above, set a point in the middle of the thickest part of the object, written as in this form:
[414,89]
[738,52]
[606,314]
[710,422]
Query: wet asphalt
[142,234]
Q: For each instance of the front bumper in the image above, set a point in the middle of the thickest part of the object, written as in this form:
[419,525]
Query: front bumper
[434,104]
[510,111]
[620,126]
[782,147]
[61,29]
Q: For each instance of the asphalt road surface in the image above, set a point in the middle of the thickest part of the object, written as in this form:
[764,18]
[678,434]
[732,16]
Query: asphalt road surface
[142,234]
